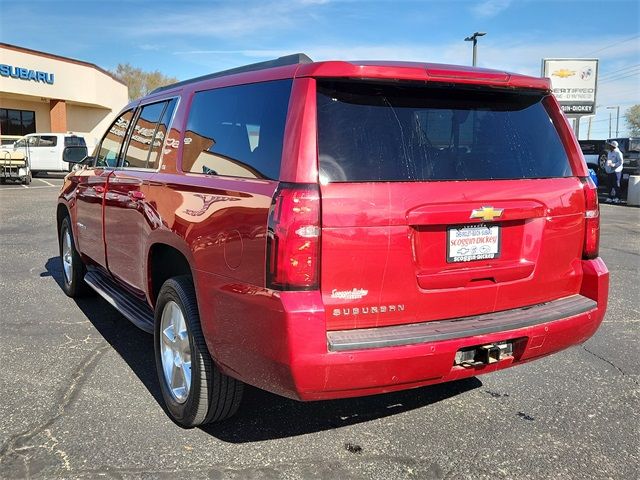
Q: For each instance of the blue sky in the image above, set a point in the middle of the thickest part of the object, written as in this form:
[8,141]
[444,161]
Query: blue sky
[190,38]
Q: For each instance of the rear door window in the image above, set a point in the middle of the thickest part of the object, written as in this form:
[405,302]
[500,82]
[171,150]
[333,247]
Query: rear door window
[237,131]
[143,135]
[155,153]
[380,132]
[48,141]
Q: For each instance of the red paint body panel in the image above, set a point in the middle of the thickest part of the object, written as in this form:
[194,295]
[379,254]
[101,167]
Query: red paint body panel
[90,186]
[126,227]
[431,72]
[384,238]
[388,239]
[284,349]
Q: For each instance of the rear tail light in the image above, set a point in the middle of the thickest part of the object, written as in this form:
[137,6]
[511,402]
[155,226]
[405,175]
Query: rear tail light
[592,219]
[293,239]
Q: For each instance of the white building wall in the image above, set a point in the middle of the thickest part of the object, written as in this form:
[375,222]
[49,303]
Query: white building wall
[92,97]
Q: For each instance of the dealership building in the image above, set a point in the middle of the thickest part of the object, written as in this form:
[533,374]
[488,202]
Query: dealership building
[42,92]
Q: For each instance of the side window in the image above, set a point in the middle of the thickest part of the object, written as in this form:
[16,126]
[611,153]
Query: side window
[112,141]
[33,141]
[74,141]
[145,145]
[158,142]
[237,131]
[48,141]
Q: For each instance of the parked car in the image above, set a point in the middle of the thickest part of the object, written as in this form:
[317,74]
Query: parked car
[44,150]
[595,154]
[337,229]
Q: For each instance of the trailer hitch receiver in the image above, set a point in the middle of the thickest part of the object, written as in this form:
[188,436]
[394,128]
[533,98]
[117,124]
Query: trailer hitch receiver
[486,354]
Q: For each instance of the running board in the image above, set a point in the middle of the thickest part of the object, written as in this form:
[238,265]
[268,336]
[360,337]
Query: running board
[136,311]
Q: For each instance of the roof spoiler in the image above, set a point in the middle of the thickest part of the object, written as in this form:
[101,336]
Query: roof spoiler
[296,58]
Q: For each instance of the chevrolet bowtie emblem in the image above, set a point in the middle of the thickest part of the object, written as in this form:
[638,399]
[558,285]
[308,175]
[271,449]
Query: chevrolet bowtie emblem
[486,213]
[563,73]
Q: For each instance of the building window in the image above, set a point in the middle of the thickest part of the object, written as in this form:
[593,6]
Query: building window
[17,122]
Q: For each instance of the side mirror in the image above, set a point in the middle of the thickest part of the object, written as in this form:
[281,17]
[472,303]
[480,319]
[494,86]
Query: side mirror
[74,154]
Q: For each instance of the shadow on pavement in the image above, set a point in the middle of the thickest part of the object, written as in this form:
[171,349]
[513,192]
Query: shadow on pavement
[262,415]
[43,174]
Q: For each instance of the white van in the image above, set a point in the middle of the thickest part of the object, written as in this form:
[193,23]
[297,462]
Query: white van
[44,150]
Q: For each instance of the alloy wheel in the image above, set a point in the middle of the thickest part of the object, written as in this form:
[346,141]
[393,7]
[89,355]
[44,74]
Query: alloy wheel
[175,351]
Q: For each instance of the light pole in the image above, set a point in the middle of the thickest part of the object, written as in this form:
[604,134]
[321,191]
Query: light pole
[617,109]
[474,38]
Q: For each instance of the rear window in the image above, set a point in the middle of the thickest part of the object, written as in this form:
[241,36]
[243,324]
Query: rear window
[380,132]
[74,142]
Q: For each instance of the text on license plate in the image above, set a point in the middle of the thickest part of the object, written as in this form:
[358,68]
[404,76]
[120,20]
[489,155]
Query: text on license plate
[473,242]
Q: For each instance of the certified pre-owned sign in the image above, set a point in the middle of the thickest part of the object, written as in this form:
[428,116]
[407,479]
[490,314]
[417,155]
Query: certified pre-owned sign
[573,81]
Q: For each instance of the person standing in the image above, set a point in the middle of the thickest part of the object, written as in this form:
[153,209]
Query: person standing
[613,168]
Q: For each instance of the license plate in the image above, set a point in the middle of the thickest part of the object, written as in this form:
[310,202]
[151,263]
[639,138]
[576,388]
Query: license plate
[473,242]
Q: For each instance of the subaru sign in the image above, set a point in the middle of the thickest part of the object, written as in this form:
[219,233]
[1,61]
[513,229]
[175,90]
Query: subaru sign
[20,73]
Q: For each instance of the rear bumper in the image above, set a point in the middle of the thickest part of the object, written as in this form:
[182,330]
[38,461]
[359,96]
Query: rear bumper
[278,342]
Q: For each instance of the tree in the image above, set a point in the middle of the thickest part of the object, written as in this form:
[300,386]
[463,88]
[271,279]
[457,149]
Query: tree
[633,119]
[140,82]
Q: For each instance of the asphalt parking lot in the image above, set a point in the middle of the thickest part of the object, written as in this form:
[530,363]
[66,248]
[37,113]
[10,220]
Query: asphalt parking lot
[80,398]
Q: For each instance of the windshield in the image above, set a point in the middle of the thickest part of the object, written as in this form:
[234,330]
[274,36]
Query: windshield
[390,132]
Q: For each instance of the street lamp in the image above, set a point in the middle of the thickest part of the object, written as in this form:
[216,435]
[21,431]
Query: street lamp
[617,109]
[474,38]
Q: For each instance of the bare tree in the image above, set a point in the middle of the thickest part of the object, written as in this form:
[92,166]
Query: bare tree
[632,116]
[140,82]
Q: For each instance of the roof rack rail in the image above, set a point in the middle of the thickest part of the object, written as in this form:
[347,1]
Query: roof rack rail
[294,59]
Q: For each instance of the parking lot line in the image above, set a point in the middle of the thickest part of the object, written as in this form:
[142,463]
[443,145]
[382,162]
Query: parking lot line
[23,186]
[44,181]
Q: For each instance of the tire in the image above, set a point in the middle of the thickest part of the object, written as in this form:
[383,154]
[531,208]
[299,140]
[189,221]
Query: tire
[602,160]
[27,179]
[209,395]
[73,268]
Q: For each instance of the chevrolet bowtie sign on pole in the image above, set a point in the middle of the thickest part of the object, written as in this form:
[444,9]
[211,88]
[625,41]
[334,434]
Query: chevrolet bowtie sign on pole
[574,84]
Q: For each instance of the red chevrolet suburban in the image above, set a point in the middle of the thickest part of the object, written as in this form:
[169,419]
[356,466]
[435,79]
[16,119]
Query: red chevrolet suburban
[337,229]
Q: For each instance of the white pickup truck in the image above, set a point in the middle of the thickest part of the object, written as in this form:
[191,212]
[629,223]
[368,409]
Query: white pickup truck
[44,150]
